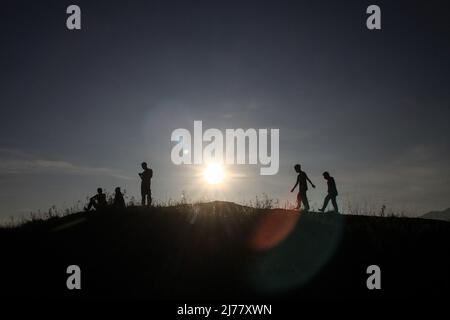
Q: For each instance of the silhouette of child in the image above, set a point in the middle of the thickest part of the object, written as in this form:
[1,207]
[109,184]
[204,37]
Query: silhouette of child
[146,191]
[302,179]
[332,193]
[119,202]
[98,201]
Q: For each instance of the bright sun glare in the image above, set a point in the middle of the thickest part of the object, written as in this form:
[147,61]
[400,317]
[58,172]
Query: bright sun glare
[214,173]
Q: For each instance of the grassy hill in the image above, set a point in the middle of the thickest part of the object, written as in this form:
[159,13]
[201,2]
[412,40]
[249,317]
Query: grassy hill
[223,250]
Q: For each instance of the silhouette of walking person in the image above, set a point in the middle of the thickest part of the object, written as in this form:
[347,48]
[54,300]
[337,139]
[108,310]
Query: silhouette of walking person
[98,201]
[119,202]
[302,180]
[332,193]
[146,177]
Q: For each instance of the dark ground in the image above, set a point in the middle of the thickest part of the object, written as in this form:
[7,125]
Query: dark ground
[223,250]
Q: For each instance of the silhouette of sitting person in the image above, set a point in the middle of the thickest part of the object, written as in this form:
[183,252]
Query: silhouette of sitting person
[332,193]
[146,177]
[119,202]
[98,201]
[302,180]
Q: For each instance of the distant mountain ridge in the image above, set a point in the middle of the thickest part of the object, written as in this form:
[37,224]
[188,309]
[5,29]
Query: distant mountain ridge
[438,215]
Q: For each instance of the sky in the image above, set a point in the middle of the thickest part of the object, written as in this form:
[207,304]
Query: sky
[82,109]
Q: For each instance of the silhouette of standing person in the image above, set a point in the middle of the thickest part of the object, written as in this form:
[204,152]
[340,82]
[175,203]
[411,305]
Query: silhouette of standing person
[146,177]
[332,193]
[119,202]
[302,182]
[98,201]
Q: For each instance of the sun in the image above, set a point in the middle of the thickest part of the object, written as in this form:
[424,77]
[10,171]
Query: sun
[214,173]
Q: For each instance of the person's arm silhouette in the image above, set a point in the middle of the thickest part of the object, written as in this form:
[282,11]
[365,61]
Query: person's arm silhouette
[312,184]
[296,183]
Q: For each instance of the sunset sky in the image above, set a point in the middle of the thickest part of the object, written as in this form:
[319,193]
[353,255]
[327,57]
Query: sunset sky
[82,109]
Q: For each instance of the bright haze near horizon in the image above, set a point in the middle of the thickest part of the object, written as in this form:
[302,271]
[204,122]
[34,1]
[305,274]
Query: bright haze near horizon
[82,109]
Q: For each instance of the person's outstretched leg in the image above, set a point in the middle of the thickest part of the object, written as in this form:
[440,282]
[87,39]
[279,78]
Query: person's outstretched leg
[90,205]
[305,201]
[299,201]
[143,195]
[334,202]
[325,203]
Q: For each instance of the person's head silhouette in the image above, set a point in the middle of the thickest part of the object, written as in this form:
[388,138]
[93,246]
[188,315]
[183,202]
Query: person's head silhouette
[99,190]
[118,190]
[326,175]
[298,168]
[144,165]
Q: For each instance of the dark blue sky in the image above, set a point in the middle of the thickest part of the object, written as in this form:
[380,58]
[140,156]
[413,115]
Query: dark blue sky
[81,109]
